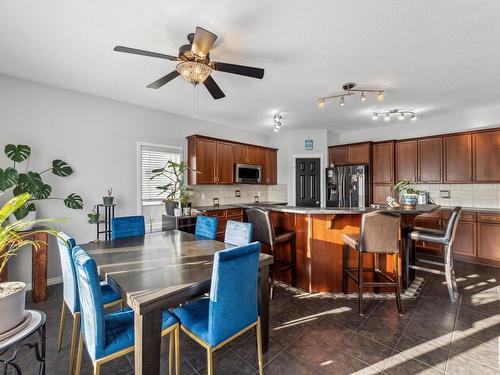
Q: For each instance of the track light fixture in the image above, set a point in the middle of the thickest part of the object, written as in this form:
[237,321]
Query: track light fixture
[277,122]
[349,89]
[387,113]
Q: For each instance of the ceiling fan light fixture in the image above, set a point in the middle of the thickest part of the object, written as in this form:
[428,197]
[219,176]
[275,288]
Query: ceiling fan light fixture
[194,72]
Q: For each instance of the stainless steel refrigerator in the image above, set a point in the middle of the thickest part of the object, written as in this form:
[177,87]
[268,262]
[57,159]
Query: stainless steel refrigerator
[347,186]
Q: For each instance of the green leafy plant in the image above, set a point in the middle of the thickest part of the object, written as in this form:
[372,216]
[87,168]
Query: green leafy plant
[31,182]
[404,186]
[11,236]
[175,190]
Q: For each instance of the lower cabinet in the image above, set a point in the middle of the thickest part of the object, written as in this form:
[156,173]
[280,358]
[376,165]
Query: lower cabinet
[489,239]
[431,223]
[223,216]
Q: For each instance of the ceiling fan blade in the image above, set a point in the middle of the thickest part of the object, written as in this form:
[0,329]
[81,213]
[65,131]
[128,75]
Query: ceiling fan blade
[242,70]
[163,80]
[213,88]
[136,51]
[203,41]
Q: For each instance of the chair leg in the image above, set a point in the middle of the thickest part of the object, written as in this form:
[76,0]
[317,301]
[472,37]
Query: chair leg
[398,287]
[345,258]
[97,368]
[177,351]
[376,267]
[74,336]
[210,361]
[79,356]
[360,283]
[170,352]
[273,277]
[259,346]
[61,325]
[293,256]
[449,273]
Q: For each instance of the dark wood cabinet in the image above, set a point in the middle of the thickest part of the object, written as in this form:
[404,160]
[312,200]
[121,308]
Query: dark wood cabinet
[430,161]
[223,216]
[457,154]
[338,155]
[488,236]
[431,220]
[383,163]
[215,158]
[406,160]
[380,193]
[486,157]
[466,234]
[224,163]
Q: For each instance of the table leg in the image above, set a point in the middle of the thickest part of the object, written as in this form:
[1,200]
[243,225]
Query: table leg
[39,268]
[147,342]
[263,301]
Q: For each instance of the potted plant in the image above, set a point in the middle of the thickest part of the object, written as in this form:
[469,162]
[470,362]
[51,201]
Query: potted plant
[108,201]
[406,194]
[12,238]
[185,199]
[31,182]
[175,188]
[93,216]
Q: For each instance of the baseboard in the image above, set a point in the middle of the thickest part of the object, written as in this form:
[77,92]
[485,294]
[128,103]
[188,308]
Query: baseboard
[52,281]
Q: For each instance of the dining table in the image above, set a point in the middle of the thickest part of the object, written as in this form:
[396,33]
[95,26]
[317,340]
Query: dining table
[162,270]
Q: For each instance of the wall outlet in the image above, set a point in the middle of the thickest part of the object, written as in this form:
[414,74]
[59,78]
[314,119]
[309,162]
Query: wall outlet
[237,193]
[203,196]
[216,201]
[444,193]
[256,198]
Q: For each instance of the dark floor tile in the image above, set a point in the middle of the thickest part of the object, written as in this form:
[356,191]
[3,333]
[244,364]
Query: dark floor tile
[229,363]
[430,330]
[247,349]
[438,311]
[462,365]
[425,351]
[367,350]
[477,325]
[330,332]
[404,365]
[346,313]
[485,352]
[385,331]
[286,363]
[194,353]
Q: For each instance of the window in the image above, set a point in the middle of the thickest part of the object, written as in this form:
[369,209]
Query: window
[150,202]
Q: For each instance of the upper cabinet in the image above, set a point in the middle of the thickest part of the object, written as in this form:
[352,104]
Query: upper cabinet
[457,155]
[430,161]
[358,153]
[214,159]
[486,158]
[406,160]
[383,163]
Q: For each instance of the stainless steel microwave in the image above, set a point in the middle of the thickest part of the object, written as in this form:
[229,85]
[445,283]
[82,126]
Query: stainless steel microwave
[247,174]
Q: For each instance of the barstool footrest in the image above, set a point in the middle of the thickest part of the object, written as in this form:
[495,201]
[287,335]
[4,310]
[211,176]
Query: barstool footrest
[425,269]
[430,262]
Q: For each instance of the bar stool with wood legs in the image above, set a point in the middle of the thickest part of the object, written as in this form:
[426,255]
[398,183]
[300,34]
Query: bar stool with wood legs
[445,238]
[265,232]
[379,234]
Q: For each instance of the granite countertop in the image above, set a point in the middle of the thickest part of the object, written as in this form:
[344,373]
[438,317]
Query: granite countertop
[264,204]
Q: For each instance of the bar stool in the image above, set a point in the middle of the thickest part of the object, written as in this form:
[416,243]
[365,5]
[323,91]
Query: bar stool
[446,238]
[264,232]
[379,234]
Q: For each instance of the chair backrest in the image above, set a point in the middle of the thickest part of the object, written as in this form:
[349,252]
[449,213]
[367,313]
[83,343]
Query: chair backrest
[70,285]
[233,293]
[127,226]
[379,232]
[206,226]
[451,227]
[238,233]
[263,229]
[92,311]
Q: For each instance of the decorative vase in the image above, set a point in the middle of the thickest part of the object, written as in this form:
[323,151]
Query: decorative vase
[93,218]
[409,200]
[186,211]
[30,218]
[177,212]
[12,304]
[169,207]
[108,201]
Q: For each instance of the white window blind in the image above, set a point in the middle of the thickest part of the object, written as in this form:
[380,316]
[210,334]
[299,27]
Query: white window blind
[153,157]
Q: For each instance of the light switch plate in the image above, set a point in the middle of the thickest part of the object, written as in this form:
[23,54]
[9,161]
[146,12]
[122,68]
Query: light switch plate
[444,193]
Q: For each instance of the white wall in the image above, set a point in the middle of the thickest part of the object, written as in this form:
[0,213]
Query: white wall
[97,137]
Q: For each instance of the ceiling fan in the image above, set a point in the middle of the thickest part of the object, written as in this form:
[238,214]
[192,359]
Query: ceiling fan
[194,63]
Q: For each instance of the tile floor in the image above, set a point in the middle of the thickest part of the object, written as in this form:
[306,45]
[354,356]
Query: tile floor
[314,336]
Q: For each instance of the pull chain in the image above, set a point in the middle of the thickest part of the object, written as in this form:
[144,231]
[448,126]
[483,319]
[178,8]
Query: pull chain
[196,102]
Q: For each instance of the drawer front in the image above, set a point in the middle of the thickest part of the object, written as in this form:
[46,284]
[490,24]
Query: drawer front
[219,214]
[464,215]
[430,215]
[488,217]
[235,212]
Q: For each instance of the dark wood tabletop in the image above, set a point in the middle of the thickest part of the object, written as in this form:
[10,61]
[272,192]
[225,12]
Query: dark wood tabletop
[161,270]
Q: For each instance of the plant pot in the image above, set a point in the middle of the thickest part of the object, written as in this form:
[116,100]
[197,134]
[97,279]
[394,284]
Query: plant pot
[28,218]
[108,201]
[177,211]
[409,200]
[93,218]
[186,211]
[12,304]
[169,207]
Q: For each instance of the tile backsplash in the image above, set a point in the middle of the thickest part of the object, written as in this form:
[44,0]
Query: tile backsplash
[203,195]
[465,195]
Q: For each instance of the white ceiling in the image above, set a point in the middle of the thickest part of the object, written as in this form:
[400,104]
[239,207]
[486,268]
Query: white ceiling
[434,57]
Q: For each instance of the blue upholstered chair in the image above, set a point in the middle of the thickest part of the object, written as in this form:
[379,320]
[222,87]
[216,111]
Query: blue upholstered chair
[206,226]
[70,293]
[127,226]
[231,308]
[108,336]
[238,233]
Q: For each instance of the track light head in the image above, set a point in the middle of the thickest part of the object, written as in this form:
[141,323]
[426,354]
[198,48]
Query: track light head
[380,96]
[342,101]
[402,116]
[363,96]
[321,103]
[375,116]
[413,117]
[387,117]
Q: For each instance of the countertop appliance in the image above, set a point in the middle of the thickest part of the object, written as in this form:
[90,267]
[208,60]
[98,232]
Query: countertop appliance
[247,174]
[347,186]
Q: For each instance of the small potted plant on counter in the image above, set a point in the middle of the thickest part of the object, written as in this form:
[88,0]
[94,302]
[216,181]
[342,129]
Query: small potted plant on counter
[186,202]
[406,194]
[93,216]
[31,182]
[12,238]
[109,199]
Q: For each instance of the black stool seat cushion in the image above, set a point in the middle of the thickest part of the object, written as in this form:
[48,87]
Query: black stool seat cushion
[429,235]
